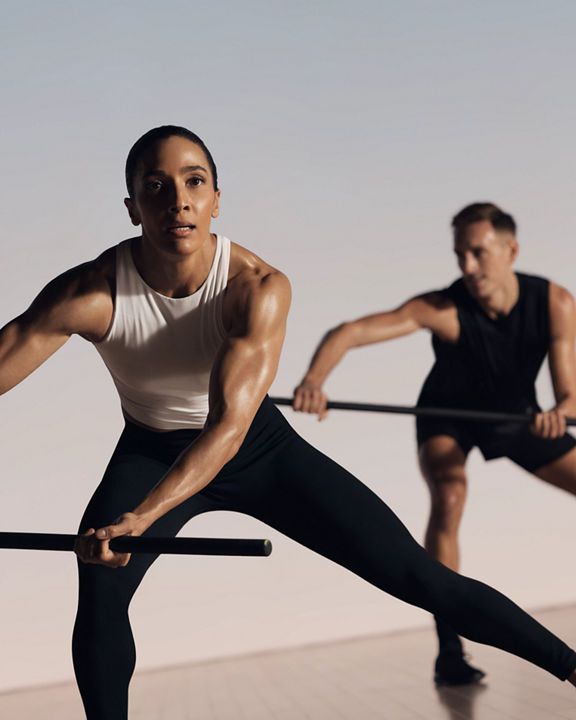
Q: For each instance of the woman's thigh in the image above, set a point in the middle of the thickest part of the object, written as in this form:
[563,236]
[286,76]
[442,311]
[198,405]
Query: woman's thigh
[310,498]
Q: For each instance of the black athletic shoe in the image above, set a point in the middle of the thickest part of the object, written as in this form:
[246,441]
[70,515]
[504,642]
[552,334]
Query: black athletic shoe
[452,669]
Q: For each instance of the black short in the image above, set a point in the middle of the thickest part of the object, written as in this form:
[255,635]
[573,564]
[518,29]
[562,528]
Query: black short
[508,440]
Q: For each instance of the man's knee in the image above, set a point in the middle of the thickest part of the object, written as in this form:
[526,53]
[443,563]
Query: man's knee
[448,496]
[443,467]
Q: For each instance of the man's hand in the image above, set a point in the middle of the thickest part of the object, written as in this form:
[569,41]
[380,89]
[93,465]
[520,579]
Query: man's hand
[550,424]
[309,398]
[93,547]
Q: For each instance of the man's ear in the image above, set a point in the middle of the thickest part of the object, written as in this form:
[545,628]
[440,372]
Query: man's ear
[134,217]
[514,249]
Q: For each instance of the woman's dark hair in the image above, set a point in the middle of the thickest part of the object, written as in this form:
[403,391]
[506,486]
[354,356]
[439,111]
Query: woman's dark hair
[154,136]
[484,211]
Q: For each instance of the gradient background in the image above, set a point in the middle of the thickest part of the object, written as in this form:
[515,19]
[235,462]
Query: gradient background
[346,136]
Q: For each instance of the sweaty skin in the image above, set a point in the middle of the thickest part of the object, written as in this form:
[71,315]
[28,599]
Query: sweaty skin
[174,202]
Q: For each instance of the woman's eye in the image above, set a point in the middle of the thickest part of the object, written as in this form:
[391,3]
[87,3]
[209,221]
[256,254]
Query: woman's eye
[196,181]
[153,185]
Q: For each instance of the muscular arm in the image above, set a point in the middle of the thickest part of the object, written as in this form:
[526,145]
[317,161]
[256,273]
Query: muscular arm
[431,311]
[562,363]
[78,301]
[243,371]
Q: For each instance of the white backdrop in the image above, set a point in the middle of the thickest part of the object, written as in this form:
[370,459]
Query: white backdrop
[346,137]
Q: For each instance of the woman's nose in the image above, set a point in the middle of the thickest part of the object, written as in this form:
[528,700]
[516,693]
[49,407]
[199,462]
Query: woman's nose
[179,200]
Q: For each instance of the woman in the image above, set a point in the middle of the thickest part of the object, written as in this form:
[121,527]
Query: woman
[191,328]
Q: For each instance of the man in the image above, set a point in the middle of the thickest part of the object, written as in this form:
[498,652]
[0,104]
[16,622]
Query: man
[491,330]
[190,327]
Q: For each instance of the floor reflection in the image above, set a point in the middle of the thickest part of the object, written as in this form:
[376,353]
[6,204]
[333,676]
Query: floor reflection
[459,701]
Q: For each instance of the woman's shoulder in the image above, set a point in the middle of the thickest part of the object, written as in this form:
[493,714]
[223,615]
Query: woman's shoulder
[253,283]
[247,267]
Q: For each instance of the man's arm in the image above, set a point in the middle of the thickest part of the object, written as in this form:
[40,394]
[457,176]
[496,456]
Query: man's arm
[243,372]
[78,301]
[562,363]
[431,311]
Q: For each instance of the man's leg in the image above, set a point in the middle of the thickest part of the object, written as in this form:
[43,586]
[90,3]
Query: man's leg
[442,463]
[560,472]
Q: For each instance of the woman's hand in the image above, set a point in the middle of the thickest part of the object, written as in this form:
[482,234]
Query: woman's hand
[93,547]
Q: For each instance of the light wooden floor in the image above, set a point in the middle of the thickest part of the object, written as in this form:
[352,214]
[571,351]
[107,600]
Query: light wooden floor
[379,678]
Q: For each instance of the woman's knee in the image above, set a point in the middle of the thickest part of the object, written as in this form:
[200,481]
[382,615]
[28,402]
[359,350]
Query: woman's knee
[102,591]
[431,585]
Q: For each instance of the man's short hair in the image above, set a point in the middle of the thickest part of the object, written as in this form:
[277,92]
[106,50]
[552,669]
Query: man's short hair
[478,212]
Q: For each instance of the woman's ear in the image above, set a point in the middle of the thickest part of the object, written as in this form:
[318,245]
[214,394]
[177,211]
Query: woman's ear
[134,217]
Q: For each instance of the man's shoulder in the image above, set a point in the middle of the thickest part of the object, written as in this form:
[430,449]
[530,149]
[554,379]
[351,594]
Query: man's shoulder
[456,292]
[532,280]
[535,290]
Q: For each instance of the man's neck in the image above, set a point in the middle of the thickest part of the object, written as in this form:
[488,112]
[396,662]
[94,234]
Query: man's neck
[501,302]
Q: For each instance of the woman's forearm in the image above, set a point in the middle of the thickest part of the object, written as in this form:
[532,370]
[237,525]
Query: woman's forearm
[195,468]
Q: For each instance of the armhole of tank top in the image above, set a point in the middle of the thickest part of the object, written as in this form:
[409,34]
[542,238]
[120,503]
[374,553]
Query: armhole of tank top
[448,293]
[112,325]
[225,247]
[547,295]
[452,294]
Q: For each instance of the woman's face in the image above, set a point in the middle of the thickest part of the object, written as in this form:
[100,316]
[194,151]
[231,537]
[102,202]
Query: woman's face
[174,198]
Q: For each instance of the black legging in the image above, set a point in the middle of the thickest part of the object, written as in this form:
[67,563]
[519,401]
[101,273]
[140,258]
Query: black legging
[279,479]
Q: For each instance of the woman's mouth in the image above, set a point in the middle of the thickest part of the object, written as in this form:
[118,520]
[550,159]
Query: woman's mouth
[181,230]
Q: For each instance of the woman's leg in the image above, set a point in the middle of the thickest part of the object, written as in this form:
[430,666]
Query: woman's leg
[103,646]
[308,497]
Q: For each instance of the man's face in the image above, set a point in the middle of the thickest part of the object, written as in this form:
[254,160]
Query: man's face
[485,257]
[174,198]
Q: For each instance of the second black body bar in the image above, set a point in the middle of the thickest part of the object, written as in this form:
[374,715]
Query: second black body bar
[455,413]
[154,545]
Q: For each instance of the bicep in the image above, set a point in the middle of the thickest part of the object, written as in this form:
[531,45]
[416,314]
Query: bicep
[31,338]
[24,346]
[248,359]
[562,356]
[67,305]
[562,364]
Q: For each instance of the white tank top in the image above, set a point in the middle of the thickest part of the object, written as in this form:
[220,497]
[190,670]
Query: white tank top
[160,350]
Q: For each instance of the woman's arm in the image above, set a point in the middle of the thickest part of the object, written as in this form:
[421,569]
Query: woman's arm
[242,374]
[78,301]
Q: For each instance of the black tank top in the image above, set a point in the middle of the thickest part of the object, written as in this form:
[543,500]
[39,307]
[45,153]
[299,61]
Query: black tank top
[494,364]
